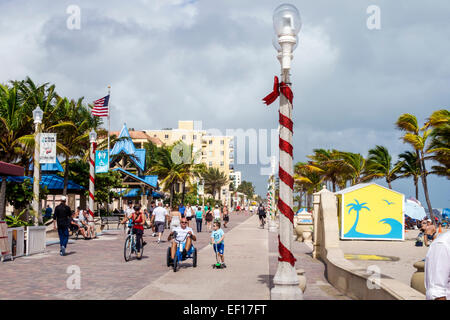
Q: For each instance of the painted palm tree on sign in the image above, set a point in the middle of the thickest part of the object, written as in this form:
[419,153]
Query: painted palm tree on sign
[356,206]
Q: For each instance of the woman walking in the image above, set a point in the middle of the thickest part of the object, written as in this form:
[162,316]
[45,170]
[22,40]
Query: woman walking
[188,214]
[226,217]
[175,218]
[199,218]
[209,218]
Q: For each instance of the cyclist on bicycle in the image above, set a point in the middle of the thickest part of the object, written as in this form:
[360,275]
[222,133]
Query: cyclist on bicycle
[262,214]
[183,232]
[136,221]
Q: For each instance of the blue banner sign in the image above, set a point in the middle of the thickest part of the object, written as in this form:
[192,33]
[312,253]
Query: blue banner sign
[101,161]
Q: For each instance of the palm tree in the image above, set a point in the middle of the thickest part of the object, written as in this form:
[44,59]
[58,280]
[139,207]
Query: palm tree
[310,178]
[357,207]
[379,165]
[439,147]
[353,168]
[214,181]
[410,167]
[13,126]
[417,137]
[328,162]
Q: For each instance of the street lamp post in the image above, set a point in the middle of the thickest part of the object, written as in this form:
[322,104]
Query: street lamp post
[37,116]
[287,24]
[93,143]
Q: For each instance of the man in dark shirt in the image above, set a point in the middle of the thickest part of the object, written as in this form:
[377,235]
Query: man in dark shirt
[61,217]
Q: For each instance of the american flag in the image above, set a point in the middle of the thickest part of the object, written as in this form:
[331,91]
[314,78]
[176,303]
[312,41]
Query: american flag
[101,107]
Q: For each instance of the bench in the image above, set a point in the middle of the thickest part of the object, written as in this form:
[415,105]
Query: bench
[111,220]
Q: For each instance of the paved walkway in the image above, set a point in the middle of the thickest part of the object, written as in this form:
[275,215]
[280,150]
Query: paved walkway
[317,286]
[246,257]
[104,272]
[250,254]
[403,253]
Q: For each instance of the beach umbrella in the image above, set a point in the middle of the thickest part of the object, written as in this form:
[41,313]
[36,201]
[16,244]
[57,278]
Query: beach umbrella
[414,210]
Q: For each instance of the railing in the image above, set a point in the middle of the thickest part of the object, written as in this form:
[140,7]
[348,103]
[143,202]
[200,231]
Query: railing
[36,237]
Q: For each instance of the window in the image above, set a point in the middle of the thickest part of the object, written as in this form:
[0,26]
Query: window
[166,136]
[222,153]
[210,163]
[210,141]
[210,153]
[221,163]
[222,142]
[194,137]
[183,137]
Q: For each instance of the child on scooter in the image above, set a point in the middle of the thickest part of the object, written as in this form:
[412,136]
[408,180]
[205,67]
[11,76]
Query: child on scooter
[217,237]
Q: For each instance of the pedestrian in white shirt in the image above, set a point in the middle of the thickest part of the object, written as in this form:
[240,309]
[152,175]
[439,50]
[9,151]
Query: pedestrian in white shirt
[216,213]
[159,220]
[437,268]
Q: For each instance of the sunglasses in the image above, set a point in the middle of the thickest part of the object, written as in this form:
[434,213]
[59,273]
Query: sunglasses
[183,222]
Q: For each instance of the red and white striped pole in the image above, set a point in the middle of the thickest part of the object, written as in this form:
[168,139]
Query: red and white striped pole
[286,21]
[93,146]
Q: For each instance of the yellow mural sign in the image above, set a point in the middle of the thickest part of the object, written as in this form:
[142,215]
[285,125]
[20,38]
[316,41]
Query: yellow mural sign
[370,211]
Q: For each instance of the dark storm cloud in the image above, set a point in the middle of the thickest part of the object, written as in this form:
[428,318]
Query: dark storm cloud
[213,61]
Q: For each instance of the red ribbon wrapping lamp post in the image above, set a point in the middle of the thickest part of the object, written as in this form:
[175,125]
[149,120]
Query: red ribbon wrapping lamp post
[93,141]
[287,24]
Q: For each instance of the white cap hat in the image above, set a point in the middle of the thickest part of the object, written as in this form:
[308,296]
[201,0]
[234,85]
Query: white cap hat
[63,198]
[429,220]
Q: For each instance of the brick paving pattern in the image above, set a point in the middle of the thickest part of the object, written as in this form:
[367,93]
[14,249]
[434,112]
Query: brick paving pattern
[104,272]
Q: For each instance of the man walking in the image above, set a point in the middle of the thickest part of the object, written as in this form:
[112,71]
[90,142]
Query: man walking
[159,220]
[61,218]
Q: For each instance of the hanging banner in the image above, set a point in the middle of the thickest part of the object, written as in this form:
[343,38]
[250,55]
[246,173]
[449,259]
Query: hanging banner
[200,189]
[101,161]
[47,148]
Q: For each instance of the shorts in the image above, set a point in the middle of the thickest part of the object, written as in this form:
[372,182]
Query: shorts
[226,218]
[219,247]
[262,216]
[159,226]
[74,228]
[189,218]
[430,236]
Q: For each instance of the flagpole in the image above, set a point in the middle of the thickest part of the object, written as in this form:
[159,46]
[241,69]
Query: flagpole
[109,128]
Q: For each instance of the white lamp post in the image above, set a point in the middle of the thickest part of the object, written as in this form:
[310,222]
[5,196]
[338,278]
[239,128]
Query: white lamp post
[92,140]
[287,24]
[37,116]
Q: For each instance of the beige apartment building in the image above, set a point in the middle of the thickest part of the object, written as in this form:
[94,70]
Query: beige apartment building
[216,151]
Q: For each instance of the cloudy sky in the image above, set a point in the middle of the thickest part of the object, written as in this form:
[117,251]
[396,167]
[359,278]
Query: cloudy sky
[211,60]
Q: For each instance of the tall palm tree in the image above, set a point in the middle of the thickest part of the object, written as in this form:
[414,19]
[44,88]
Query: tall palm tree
[410,167]
[417,137]
[310,178]
[13,126]
[328,162]
[439,146]
[379,165]
[353,168]
[214,181]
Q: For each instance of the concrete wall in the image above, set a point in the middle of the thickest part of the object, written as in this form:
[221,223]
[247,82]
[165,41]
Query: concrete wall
[352,281]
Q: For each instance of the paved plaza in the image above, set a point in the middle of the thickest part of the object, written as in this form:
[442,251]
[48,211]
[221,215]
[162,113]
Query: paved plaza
[250,253]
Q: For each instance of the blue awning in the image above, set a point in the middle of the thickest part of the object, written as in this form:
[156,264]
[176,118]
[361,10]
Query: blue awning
[53,167]
[51,181]
[133,193]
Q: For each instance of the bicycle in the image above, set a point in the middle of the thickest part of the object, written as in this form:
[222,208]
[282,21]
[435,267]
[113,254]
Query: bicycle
[175,263]
[130,245]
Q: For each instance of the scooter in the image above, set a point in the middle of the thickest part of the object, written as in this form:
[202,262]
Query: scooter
[217,265]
